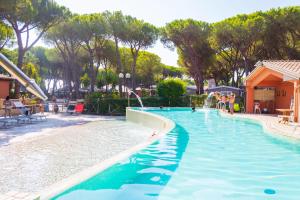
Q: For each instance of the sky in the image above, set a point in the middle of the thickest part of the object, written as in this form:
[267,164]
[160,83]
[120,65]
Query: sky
[160,12]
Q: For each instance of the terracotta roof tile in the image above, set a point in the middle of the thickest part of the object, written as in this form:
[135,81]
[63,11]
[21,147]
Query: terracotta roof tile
[290,68]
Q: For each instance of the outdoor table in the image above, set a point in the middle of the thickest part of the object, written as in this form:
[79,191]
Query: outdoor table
[285,114]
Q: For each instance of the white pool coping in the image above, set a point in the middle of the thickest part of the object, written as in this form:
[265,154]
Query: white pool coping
[159,124]
[267,124]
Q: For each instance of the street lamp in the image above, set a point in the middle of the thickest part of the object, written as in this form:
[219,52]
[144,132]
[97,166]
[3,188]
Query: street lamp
[124,77]
[127,75]
[121,77]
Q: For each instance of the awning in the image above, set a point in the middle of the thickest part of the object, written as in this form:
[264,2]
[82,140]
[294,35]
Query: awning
[27,82]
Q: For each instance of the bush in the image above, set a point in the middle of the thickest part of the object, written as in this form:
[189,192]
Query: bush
[145,93]
[171,88]
[96,103]
[198,100]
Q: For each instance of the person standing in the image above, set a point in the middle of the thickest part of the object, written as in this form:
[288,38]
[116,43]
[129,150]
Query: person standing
[223,102]
[231,103]
[7,106]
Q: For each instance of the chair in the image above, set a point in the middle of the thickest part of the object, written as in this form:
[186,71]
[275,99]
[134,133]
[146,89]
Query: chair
[79,108]
[75,108]
[288,118]
[25,115]
[257,108]
[71,107]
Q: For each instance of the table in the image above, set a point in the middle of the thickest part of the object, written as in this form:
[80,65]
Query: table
[285,114]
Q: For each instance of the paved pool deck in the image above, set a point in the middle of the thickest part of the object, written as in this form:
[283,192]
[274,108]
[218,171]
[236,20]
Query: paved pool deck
[271,124]
[34,157]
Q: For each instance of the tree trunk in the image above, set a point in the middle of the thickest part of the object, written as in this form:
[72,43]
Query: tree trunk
[119,65]
[199,84]
[92,74]
[19,64]
[133,72]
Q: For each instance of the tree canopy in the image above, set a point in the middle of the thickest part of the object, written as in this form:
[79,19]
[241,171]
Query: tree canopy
[27,17]
[90,50]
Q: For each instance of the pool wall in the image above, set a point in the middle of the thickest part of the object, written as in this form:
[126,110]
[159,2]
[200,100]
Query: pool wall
[160,126]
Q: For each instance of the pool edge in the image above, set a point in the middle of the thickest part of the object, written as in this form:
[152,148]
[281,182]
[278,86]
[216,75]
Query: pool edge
[159,124]
[268,129]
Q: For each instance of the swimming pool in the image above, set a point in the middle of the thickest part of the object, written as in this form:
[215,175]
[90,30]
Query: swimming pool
[205,156]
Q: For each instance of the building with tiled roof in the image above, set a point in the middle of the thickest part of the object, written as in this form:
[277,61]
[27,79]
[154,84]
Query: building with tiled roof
[274,85]
[4,85]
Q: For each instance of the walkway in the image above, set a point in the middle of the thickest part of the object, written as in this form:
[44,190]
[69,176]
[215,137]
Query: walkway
[270,123]
[36,161]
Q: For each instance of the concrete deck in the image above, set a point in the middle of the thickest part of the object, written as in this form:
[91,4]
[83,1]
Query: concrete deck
[33,157]
[271,124]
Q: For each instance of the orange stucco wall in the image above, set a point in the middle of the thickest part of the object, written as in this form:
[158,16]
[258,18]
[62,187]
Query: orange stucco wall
[283,95]
[4,88]
[285,90]
[249,99]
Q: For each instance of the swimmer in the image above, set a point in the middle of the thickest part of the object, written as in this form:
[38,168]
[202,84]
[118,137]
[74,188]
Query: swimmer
[193,109]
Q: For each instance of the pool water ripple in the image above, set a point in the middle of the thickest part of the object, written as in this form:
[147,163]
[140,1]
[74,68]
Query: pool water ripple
[205,157]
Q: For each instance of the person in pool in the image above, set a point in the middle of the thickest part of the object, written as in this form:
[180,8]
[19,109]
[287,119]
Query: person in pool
[193,109]
[231,103]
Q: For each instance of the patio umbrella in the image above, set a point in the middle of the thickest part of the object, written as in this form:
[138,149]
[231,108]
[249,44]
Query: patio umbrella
[27,82]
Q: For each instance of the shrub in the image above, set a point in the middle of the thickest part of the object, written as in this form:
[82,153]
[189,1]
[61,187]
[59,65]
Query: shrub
[198,100]
[171,88]
[97,103]
[145,93]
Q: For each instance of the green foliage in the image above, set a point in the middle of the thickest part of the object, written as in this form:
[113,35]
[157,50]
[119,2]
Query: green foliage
[106,77]
[171,88]
[171,71]
[145,93]
[85,43]
[32,71]
[97,103]
[148,68]
[190,37]
[85,80]
[29,18]
[242,40]
[6,34]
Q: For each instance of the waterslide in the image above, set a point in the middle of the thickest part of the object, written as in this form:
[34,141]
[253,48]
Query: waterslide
[27,82]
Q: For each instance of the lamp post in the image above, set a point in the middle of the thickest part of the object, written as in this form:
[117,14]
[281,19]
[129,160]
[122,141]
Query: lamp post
[121,78]
[124,77]
[127,76]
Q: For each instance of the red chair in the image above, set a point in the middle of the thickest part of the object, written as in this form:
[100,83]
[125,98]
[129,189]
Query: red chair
[79,108]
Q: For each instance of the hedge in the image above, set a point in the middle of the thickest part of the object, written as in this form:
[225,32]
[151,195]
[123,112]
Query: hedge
[97,104]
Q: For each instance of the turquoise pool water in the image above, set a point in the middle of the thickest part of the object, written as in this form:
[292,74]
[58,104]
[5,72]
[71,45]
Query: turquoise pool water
[206,157]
